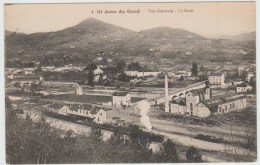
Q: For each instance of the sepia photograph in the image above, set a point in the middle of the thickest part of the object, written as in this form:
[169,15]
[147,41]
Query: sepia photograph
[142,82]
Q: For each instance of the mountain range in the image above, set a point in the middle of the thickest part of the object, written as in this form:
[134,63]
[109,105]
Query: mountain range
[86,40]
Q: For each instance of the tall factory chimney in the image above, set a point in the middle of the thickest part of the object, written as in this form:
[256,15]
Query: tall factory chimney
[166,93]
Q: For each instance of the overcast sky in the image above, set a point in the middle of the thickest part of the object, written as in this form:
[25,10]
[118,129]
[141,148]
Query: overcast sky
[208,19]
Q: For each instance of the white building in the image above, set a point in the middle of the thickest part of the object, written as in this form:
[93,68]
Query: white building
[237,82]
[121,99]
[11,76]
[249,76]
[155,147]
[96,114]
[79,90]
[241,88]
[134,73]
[216,80]
[28,72]
[98,71]
[148,73]
[188,104]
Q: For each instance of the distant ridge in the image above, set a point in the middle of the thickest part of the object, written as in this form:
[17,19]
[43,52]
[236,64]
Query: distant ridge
[85,40]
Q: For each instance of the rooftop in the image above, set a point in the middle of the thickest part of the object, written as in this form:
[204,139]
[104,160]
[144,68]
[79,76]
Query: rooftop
[241,85]
[197,92]
[181,101]
[226,98]
[216,74]
[55,106]
[123,93]
[95,110]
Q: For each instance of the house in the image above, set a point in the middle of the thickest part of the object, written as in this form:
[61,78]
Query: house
[99,115]
[96,114]
[58,108]
[155,147]
[249,77]
[131,73]
[99,58]
[109,60]
[237,82]
[79,90]
[216,80]
[11,76]
[221,104]
[241,88]
[121,99]
[28,72]
[148,73]
[135,73]
[98,71]
[107,135]
[188,53]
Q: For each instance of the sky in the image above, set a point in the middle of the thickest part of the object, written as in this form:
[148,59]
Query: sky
[212,19]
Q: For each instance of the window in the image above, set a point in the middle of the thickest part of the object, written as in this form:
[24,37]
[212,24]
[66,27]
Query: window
[219,110]
[100,114]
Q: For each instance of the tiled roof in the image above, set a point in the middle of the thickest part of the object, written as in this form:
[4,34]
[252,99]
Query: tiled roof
[120,93]
[196,92]
[226,98]
[216,74]
[56,106]
[181,101]
[75,107]
[241,85]
[95,110]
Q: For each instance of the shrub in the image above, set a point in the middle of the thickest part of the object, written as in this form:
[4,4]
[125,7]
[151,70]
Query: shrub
[193,155]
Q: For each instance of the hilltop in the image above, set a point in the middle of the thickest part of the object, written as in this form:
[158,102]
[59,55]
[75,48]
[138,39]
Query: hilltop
[84,41]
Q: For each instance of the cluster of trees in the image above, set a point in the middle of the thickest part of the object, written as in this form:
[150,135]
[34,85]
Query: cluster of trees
[34,142]
[134,66]
[194,69]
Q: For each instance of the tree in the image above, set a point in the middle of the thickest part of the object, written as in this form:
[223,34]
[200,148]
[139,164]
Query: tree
[202,68]
[95,132]
[193,155]
[134,66]
[181,78]
[120,66]
[194,69]
[124,77]
[38,69]
[170,153]
[33,87]
[91,68]
[90,78]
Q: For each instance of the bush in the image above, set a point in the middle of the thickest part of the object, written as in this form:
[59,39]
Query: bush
[193,155]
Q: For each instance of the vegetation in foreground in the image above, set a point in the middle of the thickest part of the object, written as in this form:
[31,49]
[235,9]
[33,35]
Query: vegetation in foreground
[30,141]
